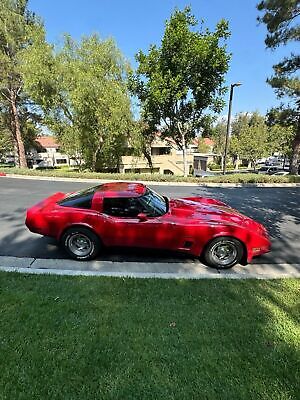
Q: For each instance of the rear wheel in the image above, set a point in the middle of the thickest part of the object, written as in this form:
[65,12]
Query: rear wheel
[223,252]
[81,243]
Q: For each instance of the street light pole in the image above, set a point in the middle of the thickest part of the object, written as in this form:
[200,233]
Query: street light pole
[228,124]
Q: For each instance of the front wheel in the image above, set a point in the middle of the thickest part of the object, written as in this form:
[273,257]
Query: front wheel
[81,243]
[223,252]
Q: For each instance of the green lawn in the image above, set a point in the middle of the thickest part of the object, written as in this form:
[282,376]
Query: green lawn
[110,338]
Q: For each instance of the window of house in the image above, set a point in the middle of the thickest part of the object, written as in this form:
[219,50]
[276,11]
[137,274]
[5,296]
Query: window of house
[159,151]
[61,161]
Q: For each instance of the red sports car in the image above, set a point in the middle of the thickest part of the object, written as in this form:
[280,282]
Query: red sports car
[131,214]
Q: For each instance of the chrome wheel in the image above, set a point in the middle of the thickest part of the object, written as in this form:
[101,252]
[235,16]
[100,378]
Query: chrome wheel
[80,245]
[224,253]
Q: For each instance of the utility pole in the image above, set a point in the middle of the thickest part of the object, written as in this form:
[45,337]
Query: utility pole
[228,124]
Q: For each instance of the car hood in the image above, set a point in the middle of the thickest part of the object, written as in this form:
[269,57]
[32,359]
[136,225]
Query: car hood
[210,211]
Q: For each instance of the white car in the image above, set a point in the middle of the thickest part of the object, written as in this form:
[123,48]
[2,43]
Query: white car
[282,173]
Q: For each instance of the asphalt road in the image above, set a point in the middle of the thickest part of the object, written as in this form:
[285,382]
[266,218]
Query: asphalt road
[277,208]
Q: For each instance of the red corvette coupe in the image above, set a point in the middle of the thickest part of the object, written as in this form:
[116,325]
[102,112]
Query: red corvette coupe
[131,214]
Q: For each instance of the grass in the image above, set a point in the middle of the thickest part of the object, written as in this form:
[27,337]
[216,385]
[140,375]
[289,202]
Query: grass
[110,338]
[230,178]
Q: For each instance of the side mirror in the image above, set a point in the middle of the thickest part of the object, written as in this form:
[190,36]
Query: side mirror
[142,217]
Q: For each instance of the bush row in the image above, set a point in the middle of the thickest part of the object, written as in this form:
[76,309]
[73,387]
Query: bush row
[230,178]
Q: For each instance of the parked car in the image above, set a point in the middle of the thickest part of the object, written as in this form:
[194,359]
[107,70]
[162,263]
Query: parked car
[205,174]
[281,173]
[268,170]
[133,215]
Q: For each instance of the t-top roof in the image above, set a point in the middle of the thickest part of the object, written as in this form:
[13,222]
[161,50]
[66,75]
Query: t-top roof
[122,189]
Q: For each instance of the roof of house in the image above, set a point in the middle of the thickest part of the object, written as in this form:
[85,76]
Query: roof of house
[207,141]
[47,142]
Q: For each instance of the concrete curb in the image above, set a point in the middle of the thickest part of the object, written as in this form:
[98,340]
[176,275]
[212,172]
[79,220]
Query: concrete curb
[160,270]
[154,183]
[37,271]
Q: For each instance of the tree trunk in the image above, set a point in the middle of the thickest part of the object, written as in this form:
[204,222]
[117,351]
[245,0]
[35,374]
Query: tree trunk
[222,161]
[17,132]
[13,132]
[94,161]
[147,155]
[185,167]
[95,155]
[183,145]
[294,163]
[237,162]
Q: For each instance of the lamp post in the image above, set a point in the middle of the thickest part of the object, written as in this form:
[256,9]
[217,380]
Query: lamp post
[228,124]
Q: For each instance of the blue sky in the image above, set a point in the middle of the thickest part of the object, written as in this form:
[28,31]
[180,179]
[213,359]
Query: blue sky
[137,24]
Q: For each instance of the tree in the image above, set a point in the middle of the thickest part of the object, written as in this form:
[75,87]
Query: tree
[178,81]
[240,123]
[280,17]
[202,146]
[251,143]
[6,142]
[28,120]
[143,135]
[83,93]
[218,136]
[17,25]
[245,119]
[283,125]
[280,139]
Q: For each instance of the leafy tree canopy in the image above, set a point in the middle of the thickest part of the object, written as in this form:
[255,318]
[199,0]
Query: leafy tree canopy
[279,17]
[282,21]
[182,78]
[81,88]
[17,27]
[251,143]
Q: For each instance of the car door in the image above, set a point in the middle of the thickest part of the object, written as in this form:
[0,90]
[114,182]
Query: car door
[123,227]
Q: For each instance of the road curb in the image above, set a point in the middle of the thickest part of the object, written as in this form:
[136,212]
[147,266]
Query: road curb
[160,270]
[153,183]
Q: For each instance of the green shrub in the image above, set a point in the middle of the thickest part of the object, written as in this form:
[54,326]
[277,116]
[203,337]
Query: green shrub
[213,166]
[229,166]
[230,178]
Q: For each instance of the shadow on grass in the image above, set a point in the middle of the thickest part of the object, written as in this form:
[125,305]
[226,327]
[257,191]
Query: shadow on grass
[148,339]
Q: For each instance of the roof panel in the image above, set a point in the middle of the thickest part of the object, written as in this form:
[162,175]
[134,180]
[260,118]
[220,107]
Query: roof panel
[122,189]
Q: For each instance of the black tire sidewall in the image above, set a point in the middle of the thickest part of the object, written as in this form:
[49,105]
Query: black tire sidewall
[91,235]
[207,255]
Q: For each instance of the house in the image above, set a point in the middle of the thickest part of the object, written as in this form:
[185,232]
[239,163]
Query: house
[166,157]
[46,153]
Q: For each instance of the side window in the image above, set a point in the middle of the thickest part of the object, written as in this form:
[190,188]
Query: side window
[82,201]
[121,207]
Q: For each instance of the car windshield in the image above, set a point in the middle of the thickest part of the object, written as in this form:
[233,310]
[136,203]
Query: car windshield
[155,204]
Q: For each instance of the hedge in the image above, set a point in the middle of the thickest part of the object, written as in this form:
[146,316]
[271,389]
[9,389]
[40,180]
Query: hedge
[229,178]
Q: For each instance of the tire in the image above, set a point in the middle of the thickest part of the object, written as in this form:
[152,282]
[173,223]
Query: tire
[81,243]
[223,252]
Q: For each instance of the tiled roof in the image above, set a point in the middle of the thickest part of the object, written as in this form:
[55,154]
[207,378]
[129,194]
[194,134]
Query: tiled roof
[47,142]
[209,142]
